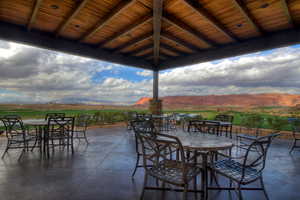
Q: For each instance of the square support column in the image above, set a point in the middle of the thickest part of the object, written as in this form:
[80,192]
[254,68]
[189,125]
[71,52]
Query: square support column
[155,105]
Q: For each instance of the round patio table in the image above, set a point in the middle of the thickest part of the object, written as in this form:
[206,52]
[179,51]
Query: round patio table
[40,124]
[204,145]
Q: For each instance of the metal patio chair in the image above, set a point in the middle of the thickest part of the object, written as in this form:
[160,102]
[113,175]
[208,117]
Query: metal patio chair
[164,159]
[253,124]
[145,126]
[60,132]
[296,134]
[17,135]
[54,115]
[81,124]
[246,168]
[226,128]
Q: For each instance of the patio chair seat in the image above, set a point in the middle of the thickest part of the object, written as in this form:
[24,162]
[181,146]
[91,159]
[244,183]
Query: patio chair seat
[171,171]
[233,169]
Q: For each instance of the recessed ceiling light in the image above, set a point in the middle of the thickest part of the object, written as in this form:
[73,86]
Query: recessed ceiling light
[265,5]
[54,6]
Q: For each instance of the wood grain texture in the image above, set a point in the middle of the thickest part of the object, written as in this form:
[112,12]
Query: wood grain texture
[128,29]
[192,4]
[34,13]
[134,41]
[104,21]
[157,20]
[287,12]
[71,17]
[182,26]
[247,15]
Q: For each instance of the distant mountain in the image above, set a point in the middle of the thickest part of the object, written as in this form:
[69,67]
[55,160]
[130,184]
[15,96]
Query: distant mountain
[246,100]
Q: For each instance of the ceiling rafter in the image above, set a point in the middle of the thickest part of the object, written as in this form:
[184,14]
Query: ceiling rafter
[33,16]
[192,4]
[134,41]
[178,41]
[247,15]
[144,52]
[139,23]
[184,27]
[286,10]
[162,56]
[157,21]
[171,49]
[124,4]
[143,48]
[64,25]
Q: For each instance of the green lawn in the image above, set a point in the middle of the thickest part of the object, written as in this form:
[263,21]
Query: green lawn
[115,115]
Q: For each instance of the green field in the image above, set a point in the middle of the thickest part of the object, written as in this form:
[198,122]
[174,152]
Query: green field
[104,116]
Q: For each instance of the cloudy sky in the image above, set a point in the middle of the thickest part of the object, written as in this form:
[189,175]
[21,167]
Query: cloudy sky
[33,75]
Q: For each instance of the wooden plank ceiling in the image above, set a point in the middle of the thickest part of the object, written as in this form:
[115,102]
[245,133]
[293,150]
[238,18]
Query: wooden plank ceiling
[152,34]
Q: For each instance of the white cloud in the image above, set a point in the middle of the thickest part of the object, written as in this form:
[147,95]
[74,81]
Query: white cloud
[145,73]
[35,75]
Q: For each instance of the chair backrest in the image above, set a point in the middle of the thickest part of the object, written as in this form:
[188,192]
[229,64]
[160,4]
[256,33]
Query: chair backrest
[63,126]
[143,126]
[157,151]
[13,126]
[54,115]
[256,153]
[224,118]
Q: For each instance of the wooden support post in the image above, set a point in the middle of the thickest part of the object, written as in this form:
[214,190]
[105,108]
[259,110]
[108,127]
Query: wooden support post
[155,103]
[155,85]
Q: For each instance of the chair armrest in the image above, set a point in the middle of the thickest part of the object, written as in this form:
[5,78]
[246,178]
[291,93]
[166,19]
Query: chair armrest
[248,137]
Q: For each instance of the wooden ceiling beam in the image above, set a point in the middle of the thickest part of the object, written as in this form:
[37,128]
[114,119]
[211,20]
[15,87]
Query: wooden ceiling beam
[162,56]
[247,15]
[172,49]
[139,23]
[16,33]
[33,16]
[134,41]
[184,27]
[195,6]
[124,4]
[143,48]
[157,21]
[287,12]
[63,25]
[178,41]
[270,41]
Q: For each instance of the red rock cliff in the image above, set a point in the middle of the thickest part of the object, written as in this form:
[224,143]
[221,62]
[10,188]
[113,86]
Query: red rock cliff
[229,100]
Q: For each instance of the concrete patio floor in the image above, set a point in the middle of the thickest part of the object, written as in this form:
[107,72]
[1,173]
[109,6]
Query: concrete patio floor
[102,170]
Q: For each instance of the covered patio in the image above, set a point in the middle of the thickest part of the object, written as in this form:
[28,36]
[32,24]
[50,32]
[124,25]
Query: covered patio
[102,170]
[153,35]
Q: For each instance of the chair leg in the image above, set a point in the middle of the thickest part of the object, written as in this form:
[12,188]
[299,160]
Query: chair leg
[145,183]
[6,149]
[294,145]
[34,145]
[86,140]
[195,187]
[184,194]
[22,153]
[72,144]
[136,164]
[263,187]
[240,192]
